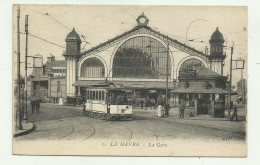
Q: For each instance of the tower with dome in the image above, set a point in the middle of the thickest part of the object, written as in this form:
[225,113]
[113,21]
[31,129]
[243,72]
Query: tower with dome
[72,55]
[217,55]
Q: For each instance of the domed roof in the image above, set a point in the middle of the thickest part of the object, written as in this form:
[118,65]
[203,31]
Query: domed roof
[217,35]
[73,35]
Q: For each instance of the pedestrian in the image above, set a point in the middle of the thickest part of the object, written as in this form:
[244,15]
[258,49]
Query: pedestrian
[32,104]
[142,102]
[146,103]
[181,109]
[167,109]
[38,105]
[234,114]
[152,104]
[155,104]
[159,111]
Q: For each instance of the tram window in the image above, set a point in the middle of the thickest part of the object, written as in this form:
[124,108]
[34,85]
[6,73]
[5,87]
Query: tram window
[99,95]
[102,98]
[96,92]
[93,95]
[87,95]
[90,95]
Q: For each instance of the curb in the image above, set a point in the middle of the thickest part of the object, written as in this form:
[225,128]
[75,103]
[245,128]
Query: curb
[25,132]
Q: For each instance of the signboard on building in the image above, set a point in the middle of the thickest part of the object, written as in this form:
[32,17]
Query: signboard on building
[187,73]
[238,64]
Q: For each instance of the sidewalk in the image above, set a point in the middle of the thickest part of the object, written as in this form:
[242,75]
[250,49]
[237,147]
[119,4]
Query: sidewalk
[205,121]
[27,128]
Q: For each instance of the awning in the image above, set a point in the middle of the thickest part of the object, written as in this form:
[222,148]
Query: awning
[87,83]
[130,84]
[199,89]
[40,79]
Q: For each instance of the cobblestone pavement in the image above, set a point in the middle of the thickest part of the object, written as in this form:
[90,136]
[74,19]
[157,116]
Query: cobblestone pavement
[57,122]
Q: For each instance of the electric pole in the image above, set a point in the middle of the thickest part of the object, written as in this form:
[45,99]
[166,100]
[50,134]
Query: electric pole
[25,117]
[167,79]
[19,122]
[230,82]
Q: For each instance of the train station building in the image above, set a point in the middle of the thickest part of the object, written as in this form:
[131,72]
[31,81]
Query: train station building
[139,59]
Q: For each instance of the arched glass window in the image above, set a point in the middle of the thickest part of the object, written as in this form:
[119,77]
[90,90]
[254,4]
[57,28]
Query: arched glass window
[141,57]
[93,68]
[191,64]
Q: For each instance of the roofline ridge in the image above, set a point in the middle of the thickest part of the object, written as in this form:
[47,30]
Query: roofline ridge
[149,28]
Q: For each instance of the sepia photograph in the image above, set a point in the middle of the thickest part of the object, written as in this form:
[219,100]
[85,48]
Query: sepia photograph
[130,80]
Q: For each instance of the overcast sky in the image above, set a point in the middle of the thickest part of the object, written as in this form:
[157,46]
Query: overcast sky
[100,23]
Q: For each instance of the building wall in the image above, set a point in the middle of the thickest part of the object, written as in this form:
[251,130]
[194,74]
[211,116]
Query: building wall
[217,66]
[71,72]
[106,55]
[54,91]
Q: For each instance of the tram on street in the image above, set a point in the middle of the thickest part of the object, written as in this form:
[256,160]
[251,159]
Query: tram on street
[108,101]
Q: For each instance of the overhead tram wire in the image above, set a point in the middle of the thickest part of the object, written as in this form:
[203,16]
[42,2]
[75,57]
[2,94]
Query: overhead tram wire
[44,40]
[193,40]
[64,26]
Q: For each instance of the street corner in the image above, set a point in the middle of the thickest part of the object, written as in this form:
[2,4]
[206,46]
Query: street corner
[27,128]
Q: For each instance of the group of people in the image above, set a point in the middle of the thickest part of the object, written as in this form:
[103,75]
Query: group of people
[35,105]
[145,103]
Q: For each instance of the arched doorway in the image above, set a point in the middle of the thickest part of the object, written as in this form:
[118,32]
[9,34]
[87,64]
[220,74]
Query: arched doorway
[191,64]
[92,68]
[141,57]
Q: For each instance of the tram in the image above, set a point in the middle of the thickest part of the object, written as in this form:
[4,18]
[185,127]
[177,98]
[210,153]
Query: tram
[108,101]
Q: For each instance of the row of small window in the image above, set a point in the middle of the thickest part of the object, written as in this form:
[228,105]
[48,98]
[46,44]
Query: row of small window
[95,95]
[217,48]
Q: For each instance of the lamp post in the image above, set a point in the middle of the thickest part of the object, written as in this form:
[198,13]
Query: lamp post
[174,86]
[25,117]
[19,114]
[167,79]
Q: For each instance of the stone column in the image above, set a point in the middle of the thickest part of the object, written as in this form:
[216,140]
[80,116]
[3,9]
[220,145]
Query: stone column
[196,106]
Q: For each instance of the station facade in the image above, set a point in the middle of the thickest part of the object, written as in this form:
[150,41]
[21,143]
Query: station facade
[139,58]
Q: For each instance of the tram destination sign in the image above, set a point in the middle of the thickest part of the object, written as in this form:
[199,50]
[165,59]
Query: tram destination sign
[187,73]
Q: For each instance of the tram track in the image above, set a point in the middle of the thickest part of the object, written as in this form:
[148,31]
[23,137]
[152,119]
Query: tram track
[131,132]
[71,132]
[156,135]
[93,128]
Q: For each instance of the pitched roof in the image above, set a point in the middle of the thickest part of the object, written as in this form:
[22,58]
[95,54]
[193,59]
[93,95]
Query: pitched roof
[131,84]
[177,44]
[55,63]
[200,89]
[202,71]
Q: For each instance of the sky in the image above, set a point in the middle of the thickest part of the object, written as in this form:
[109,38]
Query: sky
[100,23]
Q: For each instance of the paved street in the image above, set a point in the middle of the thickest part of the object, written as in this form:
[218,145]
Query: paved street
[66,122]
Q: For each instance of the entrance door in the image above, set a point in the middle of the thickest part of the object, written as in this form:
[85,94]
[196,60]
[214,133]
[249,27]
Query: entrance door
[204,104]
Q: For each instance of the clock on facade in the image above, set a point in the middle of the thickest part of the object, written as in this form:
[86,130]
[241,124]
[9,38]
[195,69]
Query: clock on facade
[142,20]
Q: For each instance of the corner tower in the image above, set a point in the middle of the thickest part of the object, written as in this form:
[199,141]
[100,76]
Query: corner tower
[216,52]
[72,55]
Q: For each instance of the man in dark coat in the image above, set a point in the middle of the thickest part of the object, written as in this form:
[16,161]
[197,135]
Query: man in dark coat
[234,114]
[37,104]
[33,104]
[167,109]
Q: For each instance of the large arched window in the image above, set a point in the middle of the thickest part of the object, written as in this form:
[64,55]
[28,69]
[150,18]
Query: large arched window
[93,68]
[141,57]
[191,64]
